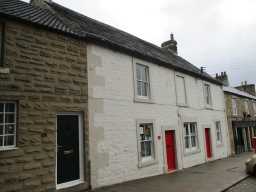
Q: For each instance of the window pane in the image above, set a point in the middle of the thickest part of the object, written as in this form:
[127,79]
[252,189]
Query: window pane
[9,129]
[1,107]
[9,107]
[192,128]
[9,118]
[144,89]
[148,148]
[138,72]
[139,88]
[9,140]
[1,141]
[186,142]
[142,145]
[147,131]
[1,129]
[186,129]
[1,118]
[180,88]
[193,141]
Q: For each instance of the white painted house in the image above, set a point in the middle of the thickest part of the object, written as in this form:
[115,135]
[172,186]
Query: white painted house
[145,119]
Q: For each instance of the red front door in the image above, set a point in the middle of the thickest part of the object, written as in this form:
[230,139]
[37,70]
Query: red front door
[170,150]
[208,142]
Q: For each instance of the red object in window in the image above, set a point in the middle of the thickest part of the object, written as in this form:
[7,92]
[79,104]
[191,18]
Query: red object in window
[208,142]
[254,144]
[170,150]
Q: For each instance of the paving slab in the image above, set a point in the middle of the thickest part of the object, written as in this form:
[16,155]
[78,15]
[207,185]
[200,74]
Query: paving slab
[214,176]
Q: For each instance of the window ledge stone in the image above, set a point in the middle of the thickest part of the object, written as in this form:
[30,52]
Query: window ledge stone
[8,148]
[147,163]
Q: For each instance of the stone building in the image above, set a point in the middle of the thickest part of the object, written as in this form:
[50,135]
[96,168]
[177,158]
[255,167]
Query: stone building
[241,115]
[84,104]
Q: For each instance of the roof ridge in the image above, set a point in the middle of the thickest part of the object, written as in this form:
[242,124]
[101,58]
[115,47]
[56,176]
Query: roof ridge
[106,25]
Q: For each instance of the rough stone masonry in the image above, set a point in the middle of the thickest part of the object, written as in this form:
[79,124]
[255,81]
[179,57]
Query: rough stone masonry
[48,74]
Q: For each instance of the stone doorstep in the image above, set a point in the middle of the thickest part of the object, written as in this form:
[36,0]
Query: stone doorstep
[235,183]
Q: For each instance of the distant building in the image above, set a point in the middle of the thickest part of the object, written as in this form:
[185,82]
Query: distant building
[241,115]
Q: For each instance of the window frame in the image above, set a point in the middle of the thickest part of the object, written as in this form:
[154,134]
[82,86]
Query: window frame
[218,130]
[14,146]
[207,94]
[137,97]
[191,149]
[234,101]
[185,90]
[146,161]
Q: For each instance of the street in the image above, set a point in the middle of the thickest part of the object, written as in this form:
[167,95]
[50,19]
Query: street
[215,176]
[247,185]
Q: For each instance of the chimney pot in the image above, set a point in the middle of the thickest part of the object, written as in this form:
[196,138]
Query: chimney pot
[170,45]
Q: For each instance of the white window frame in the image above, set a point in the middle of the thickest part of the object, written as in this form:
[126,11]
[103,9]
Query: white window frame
[234,106]
[185,90]
[207,95]
[195,149]
[9,147]
[146,161]
[140,98]
[218,130]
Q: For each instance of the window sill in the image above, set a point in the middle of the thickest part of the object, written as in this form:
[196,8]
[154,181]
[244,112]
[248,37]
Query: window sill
[209,107]
[192,152]
[143,100]
[182,105]
[4,70]
[147,163]
[8,148]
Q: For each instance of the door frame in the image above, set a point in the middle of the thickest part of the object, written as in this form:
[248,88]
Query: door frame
[81,152]
[165,166]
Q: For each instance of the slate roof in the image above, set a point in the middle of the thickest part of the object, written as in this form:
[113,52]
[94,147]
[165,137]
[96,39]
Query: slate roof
[237,92]
[62,19]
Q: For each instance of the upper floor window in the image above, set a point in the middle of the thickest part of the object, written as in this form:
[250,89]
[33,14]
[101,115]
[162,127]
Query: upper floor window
[142,81]
[234,107]
[145,142]
[181,90]
[218,132]
[190,137]
[207,94]
[2,33]
[254,108]
[246,107]
[7,125]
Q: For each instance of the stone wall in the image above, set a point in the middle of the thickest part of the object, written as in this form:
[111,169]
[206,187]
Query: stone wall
[239,116]
[48,74]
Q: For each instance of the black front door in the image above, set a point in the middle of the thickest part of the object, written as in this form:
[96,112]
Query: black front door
[67,148]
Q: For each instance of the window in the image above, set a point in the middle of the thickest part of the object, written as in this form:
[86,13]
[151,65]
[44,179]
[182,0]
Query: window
[207,94]
[234,107]
[190,137]
[246,107]
[2,30]
[218,132]
[254,107]
[145,142]
[7,125]
[142,81]
[181,90]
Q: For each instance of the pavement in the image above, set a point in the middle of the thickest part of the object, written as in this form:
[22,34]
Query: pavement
[247,185]
[215,176]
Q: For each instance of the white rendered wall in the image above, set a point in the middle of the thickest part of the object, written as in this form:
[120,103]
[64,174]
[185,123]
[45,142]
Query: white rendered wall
[113,114]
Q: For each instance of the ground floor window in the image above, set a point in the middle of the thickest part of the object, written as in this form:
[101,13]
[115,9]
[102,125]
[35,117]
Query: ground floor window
[218,132]
[7,125]
[145,141]
[190,137]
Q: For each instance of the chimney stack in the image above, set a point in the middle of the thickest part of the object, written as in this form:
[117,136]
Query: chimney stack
[249,88]
[171,45]
[40,3]
[223,77]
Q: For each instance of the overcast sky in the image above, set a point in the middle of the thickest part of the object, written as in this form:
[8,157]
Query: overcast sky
[217,34]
